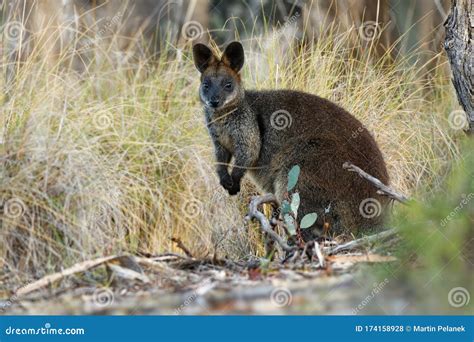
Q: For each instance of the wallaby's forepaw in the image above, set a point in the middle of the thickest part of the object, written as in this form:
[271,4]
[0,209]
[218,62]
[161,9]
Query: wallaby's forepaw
[232,186]
[234,189]
[226,182]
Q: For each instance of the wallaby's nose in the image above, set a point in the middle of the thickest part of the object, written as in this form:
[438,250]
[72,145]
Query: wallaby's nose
[214,103]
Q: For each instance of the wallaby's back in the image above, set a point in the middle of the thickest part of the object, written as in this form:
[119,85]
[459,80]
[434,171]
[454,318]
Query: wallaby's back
[297,128]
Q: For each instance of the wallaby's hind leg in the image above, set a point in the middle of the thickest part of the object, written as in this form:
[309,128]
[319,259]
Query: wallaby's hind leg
[329,219]
[312,200]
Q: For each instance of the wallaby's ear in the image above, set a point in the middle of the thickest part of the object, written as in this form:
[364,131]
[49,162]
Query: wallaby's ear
[234,56]
[203,57]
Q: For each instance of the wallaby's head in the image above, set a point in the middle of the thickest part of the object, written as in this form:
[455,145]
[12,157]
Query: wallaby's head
[220,79]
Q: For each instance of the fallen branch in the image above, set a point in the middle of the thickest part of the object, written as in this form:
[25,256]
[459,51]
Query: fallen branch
[365,258]
[52,278]
[383,189]
[264,222]
[367,240]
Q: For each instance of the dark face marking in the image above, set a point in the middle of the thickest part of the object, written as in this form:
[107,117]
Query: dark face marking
[219,88]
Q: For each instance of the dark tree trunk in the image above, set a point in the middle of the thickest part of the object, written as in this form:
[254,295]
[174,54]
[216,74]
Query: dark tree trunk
[459,47]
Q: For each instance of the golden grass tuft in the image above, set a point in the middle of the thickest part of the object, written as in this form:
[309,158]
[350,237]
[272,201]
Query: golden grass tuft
[112,161]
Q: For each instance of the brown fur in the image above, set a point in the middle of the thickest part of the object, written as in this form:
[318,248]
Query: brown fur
[321,137]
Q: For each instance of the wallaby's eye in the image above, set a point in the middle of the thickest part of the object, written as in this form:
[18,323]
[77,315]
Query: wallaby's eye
[205,85]
[228,86]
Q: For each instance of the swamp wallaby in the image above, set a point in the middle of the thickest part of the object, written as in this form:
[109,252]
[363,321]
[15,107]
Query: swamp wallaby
[268,132]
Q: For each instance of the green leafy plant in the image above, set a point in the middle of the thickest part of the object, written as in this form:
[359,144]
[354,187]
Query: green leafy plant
[289,207]
[293,176]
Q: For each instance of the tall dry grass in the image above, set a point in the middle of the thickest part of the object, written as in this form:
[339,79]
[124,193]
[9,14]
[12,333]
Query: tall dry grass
[114,160]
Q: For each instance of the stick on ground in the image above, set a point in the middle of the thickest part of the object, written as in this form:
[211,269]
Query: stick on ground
[181,246]
[52,278]
[367,240]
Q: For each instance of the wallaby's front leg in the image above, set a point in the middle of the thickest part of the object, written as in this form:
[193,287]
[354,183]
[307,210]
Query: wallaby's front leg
[223,158]
[246,155]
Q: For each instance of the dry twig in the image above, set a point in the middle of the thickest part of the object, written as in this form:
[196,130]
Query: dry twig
[264,222]
[181,246]
[367,240]
[383,189]
[52,278]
